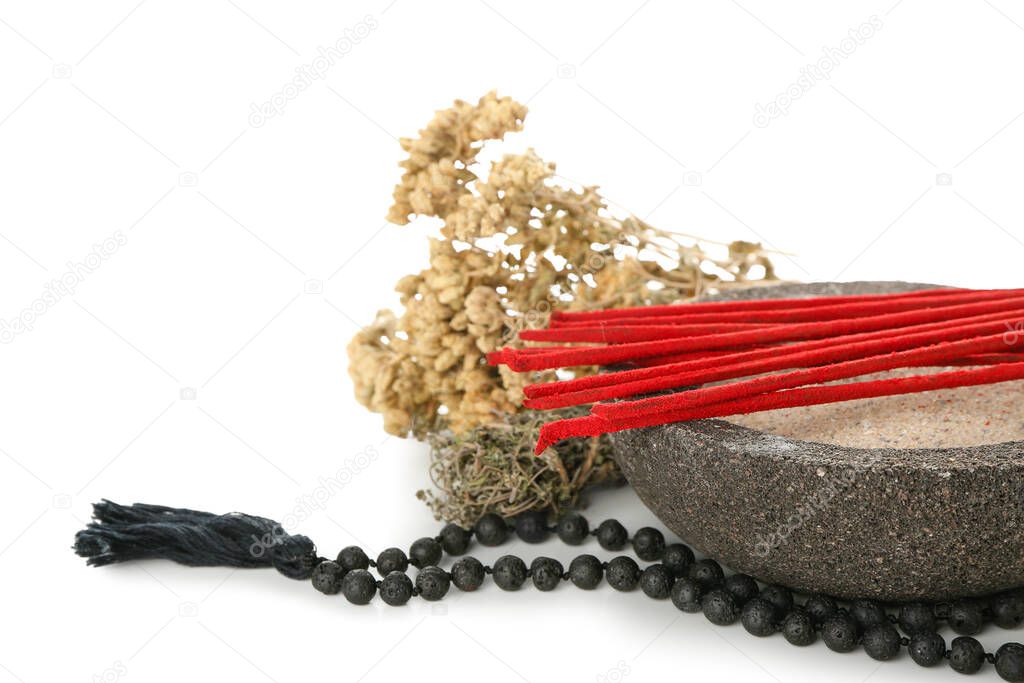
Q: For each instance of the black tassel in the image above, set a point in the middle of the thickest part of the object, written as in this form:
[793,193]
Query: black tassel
[198,539]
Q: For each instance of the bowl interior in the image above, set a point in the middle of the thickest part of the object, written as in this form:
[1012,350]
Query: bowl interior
[929,422]
[950,418]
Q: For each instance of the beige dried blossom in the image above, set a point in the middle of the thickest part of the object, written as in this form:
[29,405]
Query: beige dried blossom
[436,171]
[515,244]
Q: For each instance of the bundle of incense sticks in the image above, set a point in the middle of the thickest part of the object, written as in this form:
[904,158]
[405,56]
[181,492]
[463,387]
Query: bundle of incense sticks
[765,354]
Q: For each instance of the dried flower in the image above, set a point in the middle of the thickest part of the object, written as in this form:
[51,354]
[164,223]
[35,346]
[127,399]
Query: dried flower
[515,244]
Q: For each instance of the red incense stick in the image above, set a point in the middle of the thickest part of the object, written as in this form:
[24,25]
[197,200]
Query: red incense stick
[743,305]
[781,359]
[800,313]
[624,334]
[799,331]
[700,360]
[936,354]
[595,425]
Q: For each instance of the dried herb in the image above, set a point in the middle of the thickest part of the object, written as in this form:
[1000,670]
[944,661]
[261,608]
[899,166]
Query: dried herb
[493,469]
[515,244]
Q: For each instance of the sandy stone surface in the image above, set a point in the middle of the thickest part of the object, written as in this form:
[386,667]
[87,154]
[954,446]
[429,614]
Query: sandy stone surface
[968,416]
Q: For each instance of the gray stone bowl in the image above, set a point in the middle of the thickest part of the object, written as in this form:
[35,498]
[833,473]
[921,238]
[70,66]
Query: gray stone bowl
[889,524]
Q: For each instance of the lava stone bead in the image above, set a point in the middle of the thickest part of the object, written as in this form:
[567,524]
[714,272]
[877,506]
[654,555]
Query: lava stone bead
[820,608]
[622,573]
[425,552]
[546,573]
[758,617]
[678,558]
[917,618]
[966,617]
[648,544]
[396,589]
[327,577]
[1008,610]
[1010,662]
[353,557]
[656,582]
[882,642]
[432,583]
[532,526]
[780,597]
[509,572]
[491,530]
[454,539]
[687,595]
[798,628]
[743,587]
[359,586]
[720,607]
[572,529]
[966,655]
[468,574]
[868,613]
[927,649]
[707,573]
[392,560]
[585,571]
[840,632]
[612,535]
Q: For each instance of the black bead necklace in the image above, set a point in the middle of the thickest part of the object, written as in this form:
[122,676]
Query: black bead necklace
[691,585]
[194,538]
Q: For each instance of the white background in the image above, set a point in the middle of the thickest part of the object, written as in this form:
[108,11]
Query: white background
[135,118]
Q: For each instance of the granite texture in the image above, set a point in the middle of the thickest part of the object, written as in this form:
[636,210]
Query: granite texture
[890,524]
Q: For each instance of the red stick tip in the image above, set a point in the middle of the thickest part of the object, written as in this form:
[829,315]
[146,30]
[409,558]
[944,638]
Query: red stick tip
[534,335]
[544,440]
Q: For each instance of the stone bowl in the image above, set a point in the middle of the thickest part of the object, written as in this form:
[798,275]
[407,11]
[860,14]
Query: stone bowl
[893,524]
